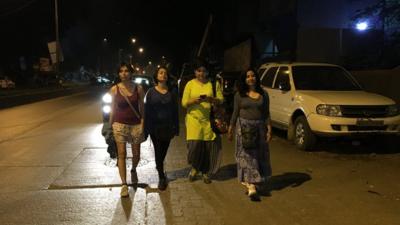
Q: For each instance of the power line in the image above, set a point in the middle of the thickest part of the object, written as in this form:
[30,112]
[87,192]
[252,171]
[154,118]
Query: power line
[27,4]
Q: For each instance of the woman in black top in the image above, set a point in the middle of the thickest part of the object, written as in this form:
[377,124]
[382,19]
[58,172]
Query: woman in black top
[251,112]
[161,119]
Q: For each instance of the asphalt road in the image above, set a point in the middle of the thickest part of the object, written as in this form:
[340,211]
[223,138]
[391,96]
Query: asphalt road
[54,169]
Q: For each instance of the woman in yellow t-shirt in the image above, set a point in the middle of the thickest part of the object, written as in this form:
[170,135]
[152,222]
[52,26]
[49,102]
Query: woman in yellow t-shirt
[203,144]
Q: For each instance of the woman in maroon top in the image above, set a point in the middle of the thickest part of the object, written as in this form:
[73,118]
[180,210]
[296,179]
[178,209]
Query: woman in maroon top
[127,123]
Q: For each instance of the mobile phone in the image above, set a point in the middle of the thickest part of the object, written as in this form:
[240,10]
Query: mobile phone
[203,96]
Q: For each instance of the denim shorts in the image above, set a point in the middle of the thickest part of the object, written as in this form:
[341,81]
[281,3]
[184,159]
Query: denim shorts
[128,133]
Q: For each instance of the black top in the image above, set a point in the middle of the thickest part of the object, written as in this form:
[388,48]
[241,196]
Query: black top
[160,109]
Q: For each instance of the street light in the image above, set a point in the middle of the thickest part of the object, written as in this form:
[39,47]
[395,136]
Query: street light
[133,40]
[141,50]
[361,26]
[149,62]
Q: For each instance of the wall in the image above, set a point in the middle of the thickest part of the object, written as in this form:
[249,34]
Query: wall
[384,82]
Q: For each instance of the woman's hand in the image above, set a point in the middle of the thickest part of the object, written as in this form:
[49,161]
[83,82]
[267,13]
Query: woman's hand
[195,101]
[212,100]
[230,133]
[268,136]
[142,125]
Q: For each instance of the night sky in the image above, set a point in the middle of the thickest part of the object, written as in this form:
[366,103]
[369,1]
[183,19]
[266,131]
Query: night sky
[171,28]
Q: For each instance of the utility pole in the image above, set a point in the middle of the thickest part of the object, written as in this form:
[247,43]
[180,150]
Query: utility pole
[57,40]
[203,41]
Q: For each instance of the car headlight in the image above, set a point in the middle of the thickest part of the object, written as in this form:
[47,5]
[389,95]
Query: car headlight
[393,110]
[138,80]
[329,110]
[107,98]
[107,109]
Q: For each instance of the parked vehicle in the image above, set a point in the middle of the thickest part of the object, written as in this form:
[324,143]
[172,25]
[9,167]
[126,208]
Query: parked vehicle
[310,100]
[5,82]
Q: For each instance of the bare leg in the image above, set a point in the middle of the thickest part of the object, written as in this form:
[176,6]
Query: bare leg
[121,146]
[135,162]
[135,155]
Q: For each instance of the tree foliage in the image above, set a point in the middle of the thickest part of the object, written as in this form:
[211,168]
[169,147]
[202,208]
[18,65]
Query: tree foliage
[388,12]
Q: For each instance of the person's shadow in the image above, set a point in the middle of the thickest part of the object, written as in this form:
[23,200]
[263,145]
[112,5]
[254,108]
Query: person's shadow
[226,172]
[279,182]
[178,174]
[122,213]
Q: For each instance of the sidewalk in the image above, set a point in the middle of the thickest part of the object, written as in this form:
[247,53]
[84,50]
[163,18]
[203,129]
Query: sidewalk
[183,203]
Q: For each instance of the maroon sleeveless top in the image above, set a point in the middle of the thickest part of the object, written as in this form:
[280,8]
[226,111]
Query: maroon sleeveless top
[123,112]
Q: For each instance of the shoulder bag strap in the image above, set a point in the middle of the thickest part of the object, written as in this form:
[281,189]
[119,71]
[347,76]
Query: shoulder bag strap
[130,105]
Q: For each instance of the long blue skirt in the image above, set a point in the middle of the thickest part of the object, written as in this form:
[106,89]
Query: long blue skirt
[253,165]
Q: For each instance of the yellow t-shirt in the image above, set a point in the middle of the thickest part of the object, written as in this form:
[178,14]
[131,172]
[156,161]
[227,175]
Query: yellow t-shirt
[198,116]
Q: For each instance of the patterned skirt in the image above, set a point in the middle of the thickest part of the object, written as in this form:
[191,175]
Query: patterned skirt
[253,165]
[205,156]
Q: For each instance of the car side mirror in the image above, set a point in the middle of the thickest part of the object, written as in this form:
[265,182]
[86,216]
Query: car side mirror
[284,86]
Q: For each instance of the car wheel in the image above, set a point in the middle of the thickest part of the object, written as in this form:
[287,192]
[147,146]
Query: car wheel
[303,136]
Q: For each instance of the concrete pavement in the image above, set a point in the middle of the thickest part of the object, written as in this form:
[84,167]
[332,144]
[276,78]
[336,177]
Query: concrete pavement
[54,169]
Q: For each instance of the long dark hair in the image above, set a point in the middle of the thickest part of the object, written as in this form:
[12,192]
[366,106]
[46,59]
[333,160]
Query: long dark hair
[243,88]
[169,79]
[156,73]
[123,64]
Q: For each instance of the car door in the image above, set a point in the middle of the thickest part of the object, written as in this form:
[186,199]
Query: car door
[283,97]
[267,79]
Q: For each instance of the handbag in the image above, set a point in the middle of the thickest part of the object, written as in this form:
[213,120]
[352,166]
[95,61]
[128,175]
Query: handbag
[218,121]
[249,136]
[164,132]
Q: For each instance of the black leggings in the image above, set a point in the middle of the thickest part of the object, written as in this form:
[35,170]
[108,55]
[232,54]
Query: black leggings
[160,152]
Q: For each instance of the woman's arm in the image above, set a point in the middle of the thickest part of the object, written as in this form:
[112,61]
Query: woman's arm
[141,104]
[235,115]
[269,129]
[175,111]
[219,97]
[147,111]
[112,92]
[268,125]
[187,100]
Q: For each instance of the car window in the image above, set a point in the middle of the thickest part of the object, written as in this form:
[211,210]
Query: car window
[282,76]
[261,72]
[330,78]
[268,79]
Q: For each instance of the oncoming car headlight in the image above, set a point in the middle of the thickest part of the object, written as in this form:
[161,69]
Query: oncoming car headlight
[138,80]
[393,110]
[107,98]
[106,109]
[329,110]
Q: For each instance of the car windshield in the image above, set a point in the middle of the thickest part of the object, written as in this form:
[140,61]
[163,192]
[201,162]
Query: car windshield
[328,78]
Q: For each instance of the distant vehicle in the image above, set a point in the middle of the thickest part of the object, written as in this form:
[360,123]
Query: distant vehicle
[144,80]
[103,80]
[313,99]
[5,83]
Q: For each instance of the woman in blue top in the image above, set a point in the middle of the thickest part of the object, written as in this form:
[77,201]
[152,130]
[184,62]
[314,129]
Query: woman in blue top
[161,119]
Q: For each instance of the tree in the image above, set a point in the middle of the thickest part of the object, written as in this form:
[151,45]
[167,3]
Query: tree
[388,12]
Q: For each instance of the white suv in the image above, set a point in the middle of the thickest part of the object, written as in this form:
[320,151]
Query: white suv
[314,99]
